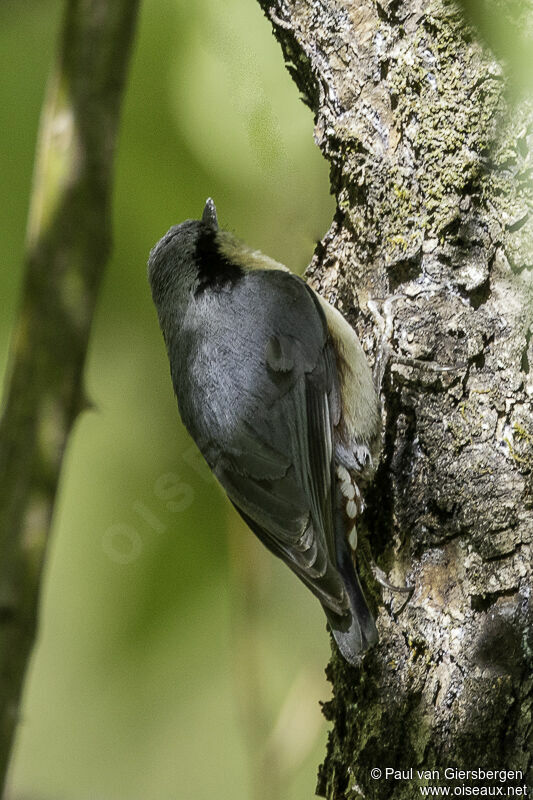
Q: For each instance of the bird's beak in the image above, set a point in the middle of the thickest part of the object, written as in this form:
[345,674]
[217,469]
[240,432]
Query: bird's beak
[209,217]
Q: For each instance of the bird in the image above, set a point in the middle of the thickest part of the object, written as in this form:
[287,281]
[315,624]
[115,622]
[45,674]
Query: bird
[274,387]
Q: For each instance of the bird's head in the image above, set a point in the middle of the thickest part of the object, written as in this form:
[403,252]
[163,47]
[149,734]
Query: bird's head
[177,261]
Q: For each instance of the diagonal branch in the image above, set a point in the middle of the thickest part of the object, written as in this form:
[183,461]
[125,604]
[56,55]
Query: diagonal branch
[69,239]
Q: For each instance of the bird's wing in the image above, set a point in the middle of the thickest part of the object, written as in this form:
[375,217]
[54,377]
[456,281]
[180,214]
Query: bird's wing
[277,464]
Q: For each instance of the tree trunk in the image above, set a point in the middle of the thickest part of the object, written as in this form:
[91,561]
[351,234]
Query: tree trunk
[430,166]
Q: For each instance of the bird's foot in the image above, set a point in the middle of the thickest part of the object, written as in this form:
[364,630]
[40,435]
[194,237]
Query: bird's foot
[381,578]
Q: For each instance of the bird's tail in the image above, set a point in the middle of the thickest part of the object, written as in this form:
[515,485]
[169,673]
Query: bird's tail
[354,632]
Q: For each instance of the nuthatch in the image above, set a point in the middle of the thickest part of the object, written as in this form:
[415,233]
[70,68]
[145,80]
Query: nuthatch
[273,385]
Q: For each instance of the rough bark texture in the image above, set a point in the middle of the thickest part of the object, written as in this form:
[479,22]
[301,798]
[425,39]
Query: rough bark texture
[430,166]
[69,242]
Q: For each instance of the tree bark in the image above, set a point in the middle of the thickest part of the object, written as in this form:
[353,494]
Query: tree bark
[430,166]
[69,240]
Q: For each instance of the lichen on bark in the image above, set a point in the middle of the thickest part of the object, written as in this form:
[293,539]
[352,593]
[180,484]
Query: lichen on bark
[430,166]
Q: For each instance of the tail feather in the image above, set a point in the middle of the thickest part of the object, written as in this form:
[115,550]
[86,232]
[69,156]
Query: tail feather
[354,632]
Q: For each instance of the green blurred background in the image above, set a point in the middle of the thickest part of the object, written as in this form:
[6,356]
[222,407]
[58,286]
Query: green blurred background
[176,657]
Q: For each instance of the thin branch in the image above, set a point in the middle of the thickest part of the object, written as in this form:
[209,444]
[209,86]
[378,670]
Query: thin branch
[69,239]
